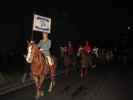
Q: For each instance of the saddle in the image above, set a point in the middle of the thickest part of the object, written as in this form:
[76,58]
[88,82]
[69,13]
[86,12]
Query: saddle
[46,60]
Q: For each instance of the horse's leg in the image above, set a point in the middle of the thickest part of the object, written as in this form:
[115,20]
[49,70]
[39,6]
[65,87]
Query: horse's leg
[81,73]
[86,71]
[50,86]
[52,77]
[41,84]
[36,79]
[24,77]
[93,59]
[66,71]
[90,62]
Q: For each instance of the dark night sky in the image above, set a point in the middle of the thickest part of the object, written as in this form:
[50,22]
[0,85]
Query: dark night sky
[94,20]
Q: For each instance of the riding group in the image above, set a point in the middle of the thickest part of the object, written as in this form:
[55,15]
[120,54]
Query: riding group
[84,58]
[43,63]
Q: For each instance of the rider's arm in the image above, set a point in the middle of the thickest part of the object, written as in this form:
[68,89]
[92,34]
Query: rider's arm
[39,44]
[49,44]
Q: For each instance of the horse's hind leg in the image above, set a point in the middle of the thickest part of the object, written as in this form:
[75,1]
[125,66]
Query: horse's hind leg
[52,84]
[52,77]
[50,87]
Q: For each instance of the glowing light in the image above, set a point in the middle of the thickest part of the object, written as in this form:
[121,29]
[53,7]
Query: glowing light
[129,27]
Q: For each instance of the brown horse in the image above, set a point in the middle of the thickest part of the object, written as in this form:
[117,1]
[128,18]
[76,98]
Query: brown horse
[40,68]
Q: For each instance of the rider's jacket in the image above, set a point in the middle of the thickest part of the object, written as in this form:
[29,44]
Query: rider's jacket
[45,46]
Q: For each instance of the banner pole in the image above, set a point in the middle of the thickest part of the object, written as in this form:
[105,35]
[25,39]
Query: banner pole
[32,32]
[32,35]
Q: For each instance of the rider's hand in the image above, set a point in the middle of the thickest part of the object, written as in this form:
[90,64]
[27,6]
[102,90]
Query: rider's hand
[41,49]
[31,41]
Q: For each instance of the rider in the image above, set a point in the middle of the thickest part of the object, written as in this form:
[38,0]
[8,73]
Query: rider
[87,48]
[70,49]
[65,50]
[45,45]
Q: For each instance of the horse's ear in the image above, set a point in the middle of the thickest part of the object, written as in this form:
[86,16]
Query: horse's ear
[27,42]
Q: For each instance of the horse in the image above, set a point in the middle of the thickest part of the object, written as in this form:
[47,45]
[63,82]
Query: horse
[102,55]
[66,60]
[109,56]
[85,62]
[40,69]
[106,56]
[94,56]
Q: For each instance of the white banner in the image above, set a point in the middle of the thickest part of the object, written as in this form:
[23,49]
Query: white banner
[41,24]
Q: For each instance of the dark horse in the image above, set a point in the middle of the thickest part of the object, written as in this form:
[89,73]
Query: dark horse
[40,68]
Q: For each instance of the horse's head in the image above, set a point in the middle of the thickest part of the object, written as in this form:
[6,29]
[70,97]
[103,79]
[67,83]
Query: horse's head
[30,53]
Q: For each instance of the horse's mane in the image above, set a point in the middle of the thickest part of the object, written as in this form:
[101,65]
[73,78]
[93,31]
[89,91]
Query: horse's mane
[36,50]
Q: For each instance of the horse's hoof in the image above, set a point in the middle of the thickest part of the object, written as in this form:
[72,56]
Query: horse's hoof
[42,93]
[50,90]
[37,97]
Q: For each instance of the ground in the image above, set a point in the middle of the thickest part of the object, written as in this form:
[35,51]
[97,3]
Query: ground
[105,82]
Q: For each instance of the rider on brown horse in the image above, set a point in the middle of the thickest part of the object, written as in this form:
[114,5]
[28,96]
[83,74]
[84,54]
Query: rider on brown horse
[45,45]
[41,63]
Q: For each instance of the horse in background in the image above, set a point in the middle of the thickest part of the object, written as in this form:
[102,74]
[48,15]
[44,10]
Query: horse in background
[109,56]
[85,63]
[40,69]
[67,61]
[106,56]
